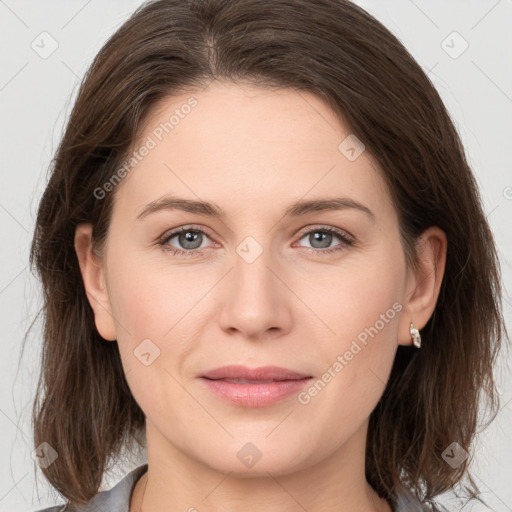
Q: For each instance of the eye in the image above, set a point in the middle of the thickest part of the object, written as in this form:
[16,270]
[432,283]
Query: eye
[321,238]
[189,241]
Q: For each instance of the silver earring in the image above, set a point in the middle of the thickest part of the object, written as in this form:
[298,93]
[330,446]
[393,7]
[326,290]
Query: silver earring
[415,334]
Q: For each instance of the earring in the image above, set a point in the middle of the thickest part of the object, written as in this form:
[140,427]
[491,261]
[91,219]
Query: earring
[415,334]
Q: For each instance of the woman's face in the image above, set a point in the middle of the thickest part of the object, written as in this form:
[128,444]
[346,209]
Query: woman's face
[257,286]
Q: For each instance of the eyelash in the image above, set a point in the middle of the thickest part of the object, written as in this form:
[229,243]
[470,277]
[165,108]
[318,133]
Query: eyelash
[345,239]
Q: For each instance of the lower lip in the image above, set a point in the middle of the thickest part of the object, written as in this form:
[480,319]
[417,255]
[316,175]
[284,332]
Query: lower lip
[255,395]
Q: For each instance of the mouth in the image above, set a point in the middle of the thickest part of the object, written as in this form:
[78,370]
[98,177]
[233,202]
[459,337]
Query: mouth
[262,375]
[259,387]
[254,381]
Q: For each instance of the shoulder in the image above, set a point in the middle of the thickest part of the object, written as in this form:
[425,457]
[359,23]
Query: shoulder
[116,499]
[56,508]
[407,502]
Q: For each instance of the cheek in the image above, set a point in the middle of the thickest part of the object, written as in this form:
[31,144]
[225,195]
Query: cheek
[357,358]
[353,295]
[359,306]
[158,313]
[153,311]
[149,299]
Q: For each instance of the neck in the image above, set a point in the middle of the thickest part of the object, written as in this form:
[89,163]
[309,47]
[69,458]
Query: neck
[175,480]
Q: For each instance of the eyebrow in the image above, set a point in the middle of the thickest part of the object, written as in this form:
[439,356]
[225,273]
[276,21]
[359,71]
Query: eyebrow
[301,207]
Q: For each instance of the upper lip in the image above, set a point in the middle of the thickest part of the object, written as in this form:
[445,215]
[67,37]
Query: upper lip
[261,373]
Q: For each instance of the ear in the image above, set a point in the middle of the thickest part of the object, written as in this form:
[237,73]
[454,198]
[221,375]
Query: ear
[92,271]
[424,284]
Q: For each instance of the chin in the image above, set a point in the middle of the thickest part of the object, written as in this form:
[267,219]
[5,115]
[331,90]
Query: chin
[258,458]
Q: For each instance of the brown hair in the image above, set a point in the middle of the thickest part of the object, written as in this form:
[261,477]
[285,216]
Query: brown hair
[334,49]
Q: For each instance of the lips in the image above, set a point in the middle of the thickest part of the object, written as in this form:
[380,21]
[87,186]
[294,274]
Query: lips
[244,375]
[258,387]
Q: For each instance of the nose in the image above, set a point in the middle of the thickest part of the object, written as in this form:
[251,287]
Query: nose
[256,301]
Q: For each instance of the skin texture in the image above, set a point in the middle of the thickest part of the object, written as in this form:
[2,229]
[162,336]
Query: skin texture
[253,152]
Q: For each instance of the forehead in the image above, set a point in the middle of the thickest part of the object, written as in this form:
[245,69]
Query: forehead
[239,145]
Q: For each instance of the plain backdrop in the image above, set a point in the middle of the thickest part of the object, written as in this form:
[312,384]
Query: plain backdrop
[464,46]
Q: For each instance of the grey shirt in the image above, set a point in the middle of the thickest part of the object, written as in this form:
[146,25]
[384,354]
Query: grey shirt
[117,499]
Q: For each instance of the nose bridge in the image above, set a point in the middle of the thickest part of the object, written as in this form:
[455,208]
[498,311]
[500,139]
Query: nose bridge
[255,300]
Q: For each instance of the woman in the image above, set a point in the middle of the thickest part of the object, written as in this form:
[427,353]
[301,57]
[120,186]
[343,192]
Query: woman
[263,254]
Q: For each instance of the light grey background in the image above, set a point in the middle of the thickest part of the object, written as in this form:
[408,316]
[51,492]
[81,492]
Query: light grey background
[36,95]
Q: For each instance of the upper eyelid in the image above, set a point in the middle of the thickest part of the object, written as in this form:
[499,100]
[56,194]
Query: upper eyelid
[189,227]
[321,227]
